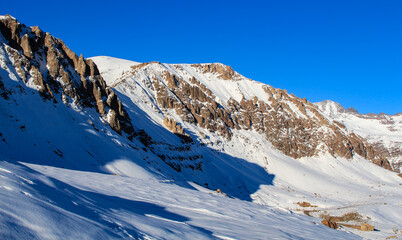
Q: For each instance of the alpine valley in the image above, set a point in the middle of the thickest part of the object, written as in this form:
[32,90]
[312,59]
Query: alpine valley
[105,148]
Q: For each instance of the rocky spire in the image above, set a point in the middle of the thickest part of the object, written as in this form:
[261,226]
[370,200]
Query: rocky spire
[60,74]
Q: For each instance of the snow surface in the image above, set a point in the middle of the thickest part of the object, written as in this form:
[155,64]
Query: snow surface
[64,174]
[386,129]
[43,202]
[334,185]
[364,125]
[111,67]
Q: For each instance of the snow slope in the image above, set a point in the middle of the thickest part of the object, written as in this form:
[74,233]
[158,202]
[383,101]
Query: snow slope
[112,67]
[335,186]
[41,202]
[66,174]
[383,130]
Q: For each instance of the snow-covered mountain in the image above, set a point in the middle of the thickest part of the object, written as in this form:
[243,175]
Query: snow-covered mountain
[383,131]
[217,99]
[108,148]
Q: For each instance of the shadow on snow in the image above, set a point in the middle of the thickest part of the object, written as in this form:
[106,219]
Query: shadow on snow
[58,136]
[95,209]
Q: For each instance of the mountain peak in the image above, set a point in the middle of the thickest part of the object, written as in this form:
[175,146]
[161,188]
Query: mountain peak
[7,16]
[352,110]
[330,108]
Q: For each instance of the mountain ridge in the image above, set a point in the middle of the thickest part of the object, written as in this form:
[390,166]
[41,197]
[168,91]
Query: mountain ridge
[382,130]
[325,103]
[276,109]
[207,157]
[45,61]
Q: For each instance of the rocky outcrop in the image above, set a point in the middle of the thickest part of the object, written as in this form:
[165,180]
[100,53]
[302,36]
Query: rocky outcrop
[192,103]
[330,224]
[382,131]
[293,125]
[59,74]
[218,69]
[172,125]
[366,227]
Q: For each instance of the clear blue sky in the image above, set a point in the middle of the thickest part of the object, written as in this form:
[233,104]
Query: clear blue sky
[347,51]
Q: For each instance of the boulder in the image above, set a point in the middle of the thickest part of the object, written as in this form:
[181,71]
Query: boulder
[366,227]
[172,125]
[329,223]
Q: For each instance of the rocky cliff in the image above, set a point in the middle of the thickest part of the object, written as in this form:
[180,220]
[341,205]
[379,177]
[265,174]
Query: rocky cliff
[45,63]
[383,131]
[216,98]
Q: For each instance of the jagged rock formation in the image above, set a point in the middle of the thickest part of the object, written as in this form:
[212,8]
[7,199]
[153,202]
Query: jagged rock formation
[172,125]
[383,131]
[214,97]
[47,64]
[222,71]
[366,227]
[330,223]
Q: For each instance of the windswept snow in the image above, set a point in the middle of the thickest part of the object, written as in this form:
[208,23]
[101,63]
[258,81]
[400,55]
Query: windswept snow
[64,174]
[68,204]
[336,186]
[110,67]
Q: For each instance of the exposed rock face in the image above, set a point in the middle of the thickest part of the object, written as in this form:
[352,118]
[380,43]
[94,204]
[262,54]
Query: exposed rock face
[59,74]
[222,71]
[305,204]
[330,224]
[294,126]
[382,131]
[366,227]
[172,125]
[191,102]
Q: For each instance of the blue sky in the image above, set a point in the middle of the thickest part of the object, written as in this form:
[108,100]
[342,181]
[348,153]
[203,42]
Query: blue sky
[346,51]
